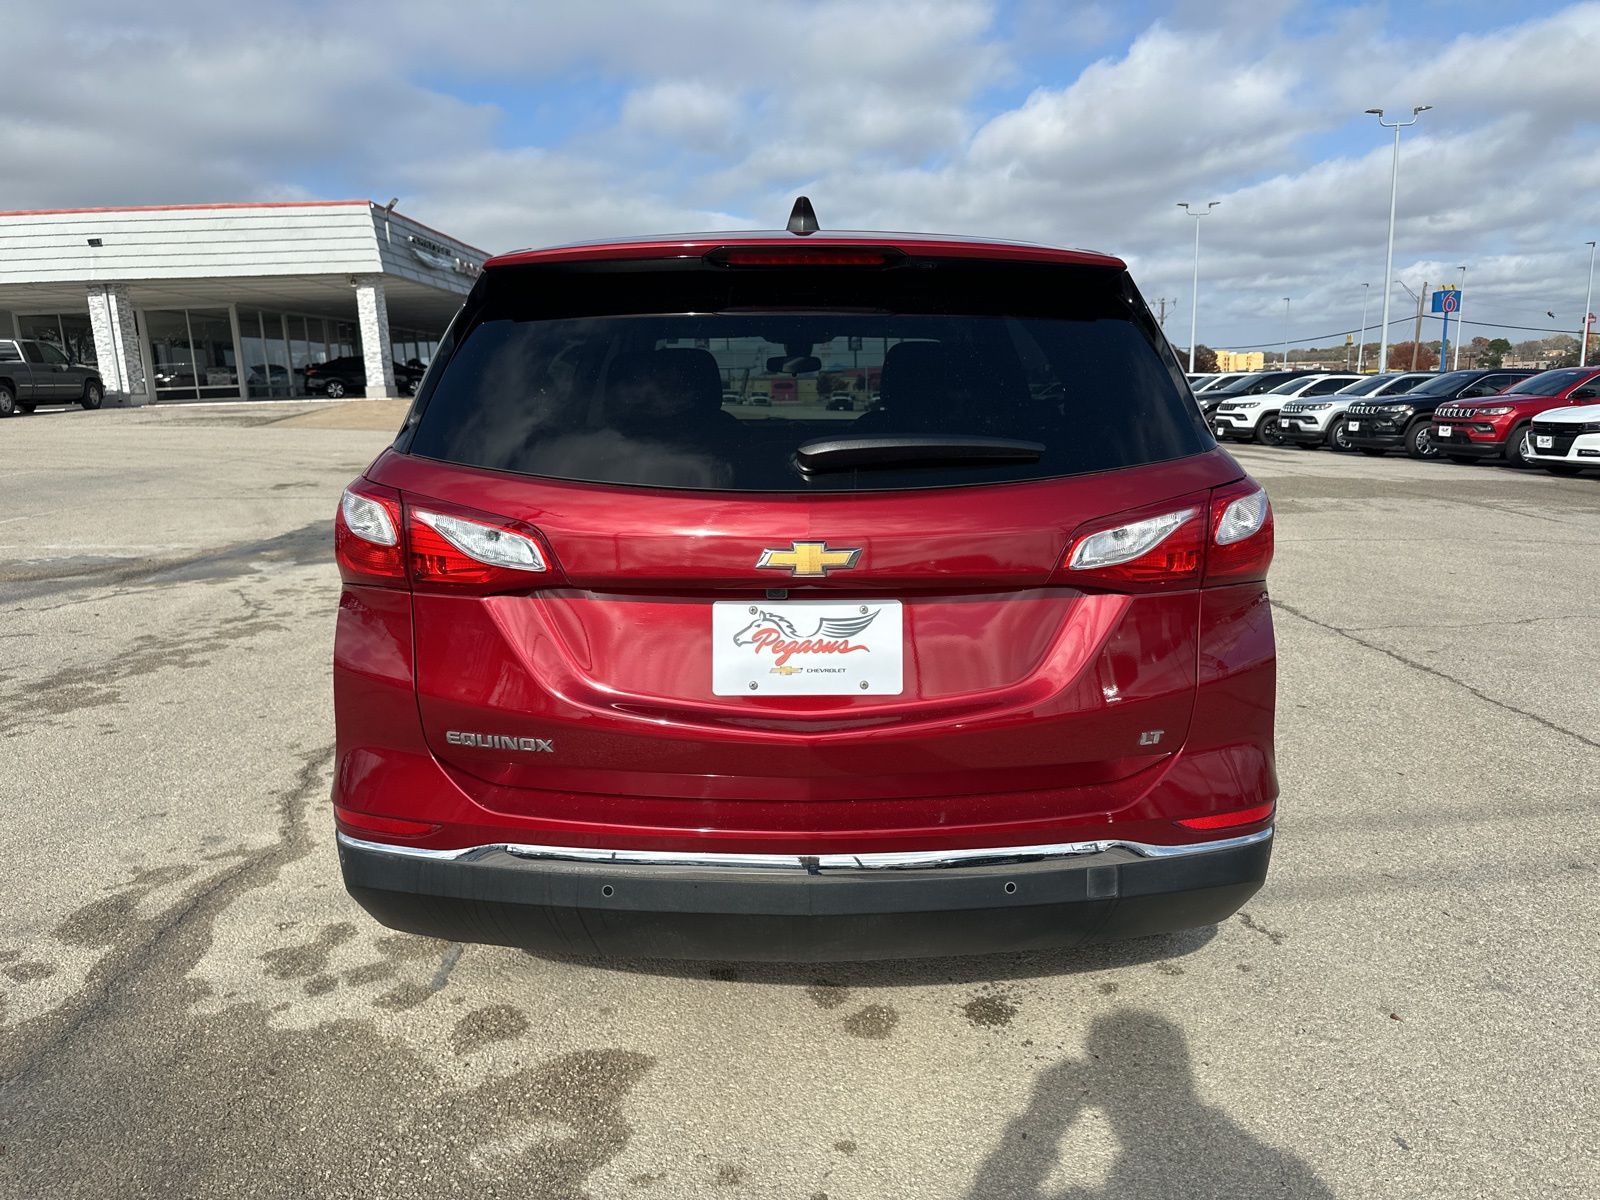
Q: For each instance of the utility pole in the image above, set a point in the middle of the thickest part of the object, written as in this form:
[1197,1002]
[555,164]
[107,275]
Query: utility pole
[1286,331]
[1361,349]
[1461,330]
[1161,316]
[1588,318]
[1416,338]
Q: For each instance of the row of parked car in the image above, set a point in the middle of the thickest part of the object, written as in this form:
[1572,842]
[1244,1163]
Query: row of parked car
[1518,416]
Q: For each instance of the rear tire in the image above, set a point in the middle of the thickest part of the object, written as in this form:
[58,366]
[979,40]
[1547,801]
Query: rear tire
[1268,431]
[1561,468]
[334,390]
[93,396]
[1419,441]
[8,401]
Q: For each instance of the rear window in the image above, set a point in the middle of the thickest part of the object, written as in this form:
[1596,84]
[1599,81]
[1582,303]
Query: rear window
[684,374]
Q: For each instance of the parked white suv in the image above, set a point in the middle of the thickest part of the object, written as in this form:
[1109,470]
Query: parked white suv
[1258,416]
[1317,422]
[1565,441]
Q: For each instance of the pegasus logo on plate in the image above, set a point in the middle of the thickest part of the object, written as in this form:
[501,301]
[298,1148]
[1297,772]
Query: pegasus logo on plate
[778,634]
[808,560]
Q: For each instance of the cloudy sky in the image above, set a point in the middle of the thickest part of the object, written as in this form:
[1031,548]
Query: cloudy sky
[1073,122]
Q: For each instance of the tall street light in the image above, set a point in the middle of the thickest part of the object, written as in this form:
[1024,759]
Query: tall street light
[1366,294]
[1286,331]
[1394,188]
[1194,297]
[1461,331]
[1588,299]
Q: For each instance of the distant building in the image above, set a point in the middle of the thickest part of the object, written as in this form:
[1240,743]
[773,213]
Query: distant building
[1241,360]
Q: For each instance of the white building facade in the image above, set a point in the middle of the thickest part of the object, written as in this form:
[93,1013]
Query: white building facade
[231,301]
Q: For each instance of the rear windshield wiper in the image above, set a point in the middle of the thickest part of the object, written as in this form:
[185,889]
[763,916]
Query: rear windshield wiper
[868,453]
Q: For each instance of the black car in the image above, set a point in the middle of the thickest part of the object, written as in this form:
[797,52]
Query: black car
[1252,384]
[1401,422]
[340,377]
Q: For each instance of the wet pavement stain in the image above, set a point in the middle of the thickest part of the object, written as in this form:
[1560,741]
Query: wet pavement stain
[873,1021]
[402,997]
[300,962]
[1251,923]
[989,1011]
[28,972]
[729,1176]
[244,1107]
[827,995]
[485,1026]
[845,1146]
[102,922]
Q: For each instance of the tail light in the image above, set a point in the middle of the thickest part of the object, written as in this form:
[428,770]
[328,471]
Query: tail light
[1241,534]
[1221,537]
[380,540]
[478,551]
[366,536]
[1230,820]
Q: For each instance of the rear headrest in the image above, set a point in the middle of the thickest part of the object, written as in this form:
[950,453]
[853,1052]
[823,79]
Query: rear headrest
[656,385]
[915,379]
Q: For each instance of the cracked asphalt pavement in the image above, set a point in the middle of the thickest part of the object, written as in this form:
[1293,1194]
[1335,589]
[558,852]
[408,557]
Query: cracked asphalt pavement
[190,1006]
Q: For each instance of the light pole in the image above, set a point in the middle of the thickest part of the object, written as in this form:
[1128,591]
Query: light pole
[1286,331]
[1194,296]
[1461,332]
[1366,294]
[1394,189]
[1588,299]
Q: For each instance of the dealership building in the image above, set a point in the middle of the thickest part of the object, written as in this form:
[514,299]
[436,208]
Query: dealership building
[230,301]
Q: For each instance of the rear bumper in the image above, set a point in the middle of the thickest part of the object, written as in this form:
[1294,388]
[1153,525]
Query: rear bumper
[784,908]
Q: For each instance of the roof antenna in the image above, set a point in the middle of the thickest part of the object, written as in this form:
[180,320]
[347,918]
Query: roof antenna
[803,218]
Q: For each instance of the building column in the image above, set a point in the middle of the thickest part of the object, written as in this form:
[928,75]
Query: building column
[372,311]
[116,344]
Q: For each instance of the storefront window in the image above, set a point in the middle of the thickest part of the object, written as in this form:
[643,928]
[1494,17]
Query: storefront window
[69,333]
[191,352]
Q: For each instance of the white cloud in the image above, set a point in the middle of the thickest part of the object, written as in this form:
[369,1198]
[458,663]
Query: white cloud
[710,113]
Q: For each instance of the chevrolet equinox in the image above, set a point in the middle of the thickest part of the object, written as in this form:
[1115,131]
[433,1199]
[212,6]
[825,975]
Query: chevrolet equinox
[803,596]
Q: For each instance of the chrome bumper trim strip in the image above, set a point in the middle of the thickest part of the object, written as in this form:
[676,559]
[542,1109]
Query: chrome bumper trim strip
[899,860]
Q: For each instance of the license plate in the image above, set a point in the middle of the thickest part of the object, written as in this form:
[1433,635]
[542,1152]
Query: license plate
[807,648]
[1543,442]
[1221,429]
[1443,431]
[1352,426]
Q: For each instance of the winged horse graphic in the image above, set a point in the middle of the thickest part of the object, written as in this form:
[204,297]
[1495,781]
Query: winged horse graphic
[775,632]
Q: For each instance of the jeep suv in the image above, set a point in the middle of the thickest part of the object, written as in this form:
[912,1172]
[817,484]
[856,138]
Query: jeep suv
[986,666]
[1258,416]
[1401,422]
[1499,426]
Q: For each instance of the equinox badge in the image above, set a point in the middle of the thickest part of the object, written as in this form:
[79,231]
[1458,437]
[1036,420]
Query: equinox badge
[496,741]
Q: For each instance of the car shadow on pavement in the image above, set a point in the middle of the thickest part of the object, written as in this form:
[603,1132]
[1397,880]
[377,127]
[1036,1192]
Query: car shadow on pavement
[916,972]
[1135,1073]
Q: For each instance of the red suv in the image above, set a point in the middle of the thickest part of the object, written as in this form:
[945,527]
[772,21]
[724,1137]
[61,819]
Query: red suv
[1498,426]
[648,647]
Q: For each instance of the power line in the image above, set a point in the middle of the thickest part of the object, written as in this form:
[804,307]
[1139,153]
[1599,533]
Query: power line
[1311,341]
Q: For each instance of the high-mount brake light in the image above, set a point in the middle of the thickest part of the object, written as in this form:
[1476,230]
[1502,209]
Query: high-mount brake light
[798,258]
[366,536]
[447,548]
